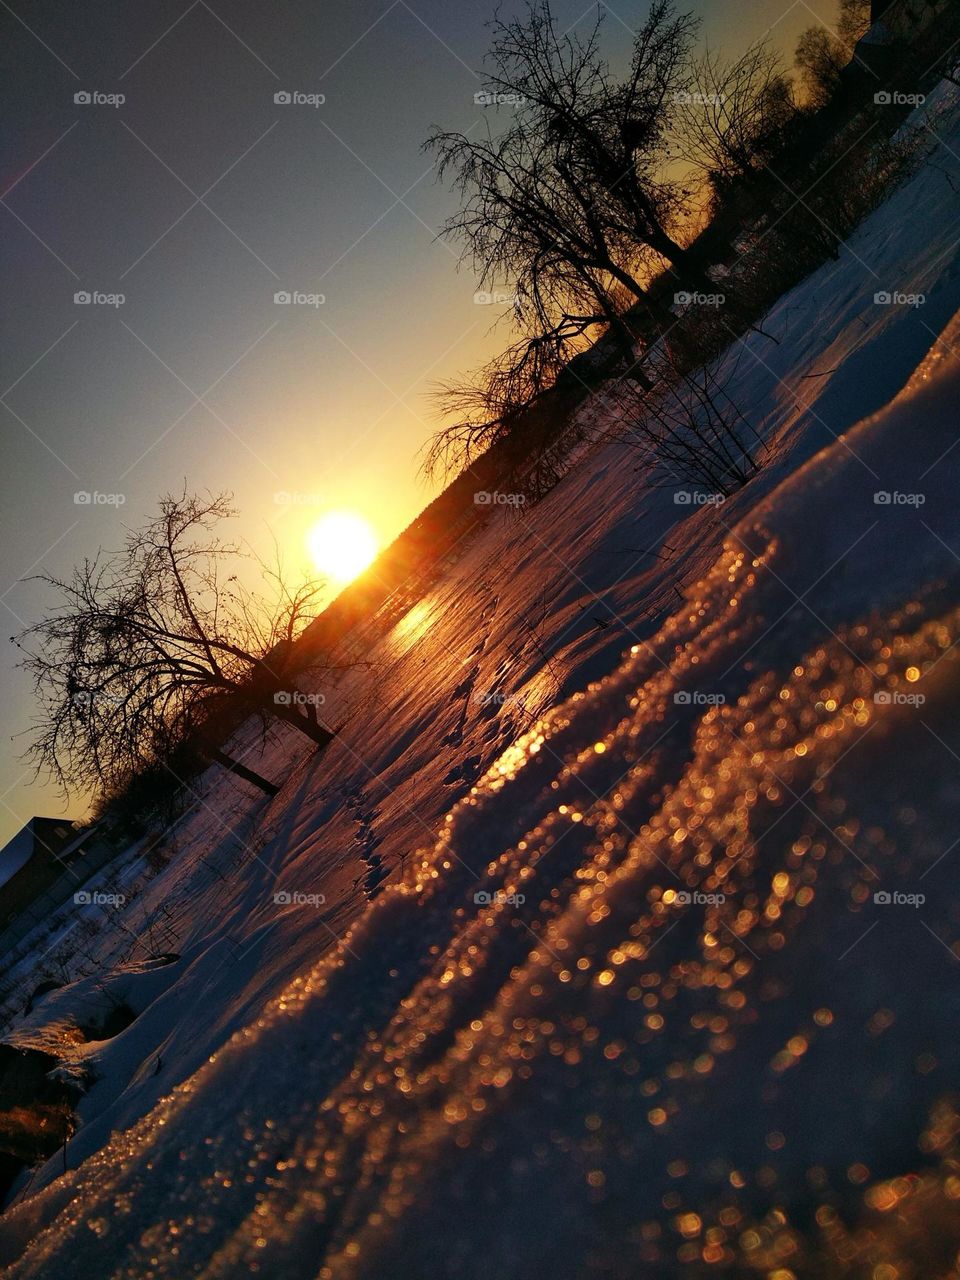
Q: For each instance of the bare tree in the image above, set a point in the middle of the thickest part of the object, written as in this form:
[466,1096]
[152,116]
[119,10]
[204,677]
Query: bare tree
[693,426]
[820,57]
[734,122]
[582,147]
[570,204]
[504,401]
[150,646]
[853,22]
[822,54]
[568,196]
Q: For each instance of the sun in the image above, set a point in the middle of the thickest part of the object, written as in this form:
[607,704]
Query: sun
[342,545]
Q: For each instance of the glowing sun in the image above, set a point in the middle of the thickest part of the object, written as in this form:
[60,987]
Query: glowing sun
[342,545]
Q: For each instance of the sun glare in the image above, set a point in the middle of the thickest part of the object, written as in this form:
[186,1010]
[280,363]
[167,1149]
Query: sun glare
[342,545]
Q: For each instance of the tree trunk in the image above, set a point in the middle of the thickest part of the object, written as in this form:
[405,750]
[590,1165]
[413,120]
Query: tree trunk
[241,770]
[625,340]
[687,265]
[310,725]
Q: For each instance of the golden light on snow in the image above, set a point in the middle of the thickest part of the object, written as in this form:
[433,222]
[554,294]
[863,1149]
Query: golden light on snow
[342,544]
[416,621]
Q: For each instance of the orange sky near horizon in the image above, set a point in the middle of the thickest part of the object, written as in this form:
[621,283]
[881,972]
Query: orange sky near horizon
[200,201]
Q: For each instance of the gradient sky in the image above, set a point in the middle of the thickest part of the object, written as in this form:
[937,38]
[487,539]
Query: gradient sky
[197,199]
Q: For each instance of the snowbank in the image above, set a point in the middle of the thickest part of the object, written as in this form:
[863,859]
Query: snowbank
[630,960]
[677,990]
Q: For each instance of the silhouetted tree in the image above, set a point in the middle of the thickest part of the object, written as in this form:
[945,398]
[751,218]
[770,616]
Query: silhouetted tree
[149,645]
[820,58]
[822,54]
[574,182]
[570,202]
[736,120]
[853,22]
[692,425]
[507,400]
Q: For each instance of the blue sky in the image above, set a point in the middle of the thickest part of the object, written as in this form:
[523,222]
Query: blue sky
[197,199]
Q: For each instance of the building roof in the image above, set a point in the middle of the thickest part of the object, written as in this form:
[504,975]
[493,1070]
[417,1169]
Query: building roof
[16,853]
[879,33]
[45,833]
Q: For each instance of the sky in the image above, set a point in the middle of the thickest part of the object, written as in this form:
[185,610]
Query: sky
[148,165]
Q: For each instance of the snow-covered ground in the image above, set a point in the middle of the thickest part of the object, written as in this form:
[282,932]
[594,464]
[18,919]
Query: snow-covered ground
[565,959]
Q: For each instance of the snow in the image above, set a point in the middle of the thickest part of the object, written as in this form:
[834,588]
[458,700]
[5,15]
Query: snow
[380,1074]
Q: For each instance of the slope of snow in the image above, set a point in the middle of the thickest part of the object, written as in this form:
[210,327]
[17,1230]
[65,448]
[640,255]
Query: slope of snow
[416,1103]
[545,1080]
